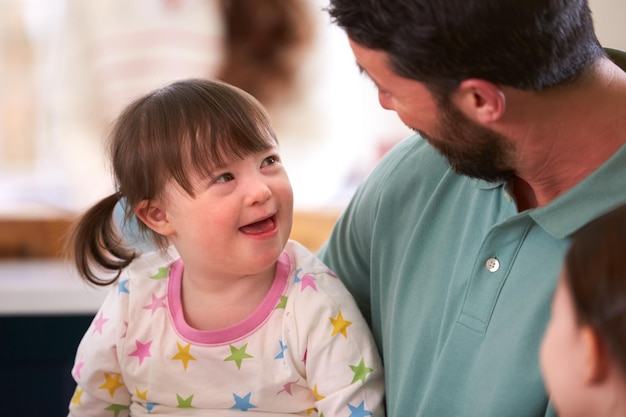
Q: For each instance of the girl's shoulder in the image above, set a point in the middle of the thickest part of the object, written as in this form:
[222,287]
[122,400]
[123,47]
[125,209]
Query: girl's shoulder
[312,282]
[149,271]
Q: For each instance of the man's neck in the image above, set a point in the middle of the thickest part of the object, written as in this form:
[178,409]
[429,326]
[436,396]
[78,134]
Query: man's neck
[524,195]
[574,131]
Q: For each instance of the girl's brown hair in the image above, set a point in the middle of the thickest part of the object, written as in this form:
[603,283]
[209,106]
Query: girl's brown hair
[189,126]
[595,269]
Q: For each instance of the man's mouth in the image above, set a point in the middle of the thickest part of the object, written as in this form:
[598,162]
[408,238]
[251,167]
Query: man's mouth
[261,226]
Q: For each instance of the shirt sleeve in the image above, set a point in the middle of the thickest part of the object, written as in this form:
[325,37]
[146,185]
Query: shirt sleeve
[100,389]
[550,411]
[343,367]
[349,248]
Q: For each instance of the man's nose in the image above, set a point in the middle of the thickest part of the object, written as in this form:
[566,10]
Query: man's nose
[385,101]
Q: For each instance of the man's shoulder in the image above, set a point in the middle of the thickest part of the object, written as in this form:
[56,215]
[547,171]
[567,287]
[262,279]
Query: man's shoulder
[410,165]
[412,157]
[413,153]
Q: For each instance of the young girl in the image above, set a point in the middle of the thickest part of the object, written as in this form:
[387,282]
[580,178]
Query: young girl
[583,355]
[232,317]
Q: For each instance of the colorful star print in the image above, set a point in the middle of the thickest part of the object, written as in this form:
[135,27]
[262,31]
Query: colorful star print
[122,287]
[142,351]
[157,302]
[78,393]
[112,383]
[183,354]
[162,273]
[99,322]
[79,366]
[243,404]
[360,371]
[284,331]
[141,394]
[184,402]
[340,325]
[359,410]
[283,348]
[117,409]
[306,281]
[297,278]
[282,303]
[238,355]
[287,387]
[316,394]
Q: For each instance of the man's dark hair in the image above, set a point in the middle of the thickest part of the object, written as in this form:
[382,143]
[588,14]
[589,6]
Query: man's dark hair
[529,45]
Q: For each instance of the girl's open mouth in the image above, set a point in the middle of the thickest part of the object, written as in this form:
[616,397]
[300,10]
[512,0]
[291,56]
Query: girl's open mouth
[262,226]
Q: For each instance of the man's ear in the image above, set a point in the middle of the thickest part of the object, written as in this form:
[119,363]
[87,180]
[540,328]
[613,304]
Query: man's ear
[154,216]
[480,100]
[597,360]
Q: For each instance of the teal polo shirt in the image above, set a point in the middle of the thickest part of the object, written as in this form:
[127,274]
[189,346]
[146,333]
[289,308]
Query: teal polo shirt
[456,284]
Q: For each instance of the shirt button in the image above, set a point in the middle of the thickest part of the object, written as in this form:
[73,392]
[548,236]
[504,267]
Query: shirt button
[492,264]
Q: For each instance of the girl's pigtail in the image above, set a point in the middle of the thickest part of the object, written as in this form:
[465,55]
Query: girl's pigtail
[95,242]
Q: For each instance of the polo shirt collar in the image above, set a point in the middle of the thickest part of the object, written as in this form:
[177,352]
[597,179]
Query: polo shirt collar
[486,185]
[600,192]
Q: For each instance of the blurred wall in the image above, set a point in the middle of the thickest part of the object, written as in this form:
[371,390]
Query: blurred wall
[330,139]
[609,16]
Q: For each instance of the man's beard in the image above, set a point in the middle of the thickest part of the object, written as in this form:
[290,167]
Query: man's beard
[471,149]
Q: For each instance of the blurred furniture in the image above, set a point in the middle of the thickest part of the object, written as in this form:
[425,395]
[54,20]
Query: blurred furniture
[35,237]
[28,238]
[36,358]
[44,311]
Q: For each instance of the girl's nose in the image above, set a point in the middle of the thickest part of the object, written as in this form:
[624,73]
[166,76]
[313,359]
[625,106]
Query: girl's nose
[258,191]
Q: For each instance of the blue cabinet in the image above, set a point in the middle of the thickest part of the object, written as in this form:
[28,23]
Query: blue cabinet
[36,358]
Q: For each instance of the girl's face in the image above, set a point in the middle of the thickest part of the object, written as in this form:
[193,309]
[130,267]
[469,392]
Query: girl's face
[563,357]
[239,220]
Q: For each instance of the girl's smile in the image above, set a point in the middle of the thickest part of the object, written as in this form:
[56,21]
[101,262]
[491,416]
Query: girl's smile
[261,229]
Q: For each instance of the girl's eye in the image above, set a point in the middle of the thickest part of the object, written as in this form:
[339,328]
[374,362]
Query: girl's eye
[270,160]
[224,178]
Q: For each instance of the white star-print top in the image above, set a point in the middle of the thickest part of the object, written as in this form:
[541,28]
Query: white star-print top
[306,350]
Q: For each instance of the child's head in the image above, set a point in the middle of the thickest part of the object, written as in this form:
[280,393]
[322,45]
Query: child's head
[173,140]
[190,126]
[583,355]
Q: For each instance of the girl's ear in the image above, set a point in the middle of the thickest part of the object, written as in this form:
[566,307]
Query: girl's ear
[154,216]
[481,101]
[597,360]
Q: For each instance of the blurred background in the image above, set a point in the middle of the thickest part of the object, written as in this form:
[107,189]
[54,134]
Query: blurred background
[67,67]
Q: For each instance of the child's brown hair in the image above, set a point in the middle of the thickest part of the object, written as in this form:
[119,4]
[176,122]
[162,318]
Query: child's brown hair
[189,126]
[595,269]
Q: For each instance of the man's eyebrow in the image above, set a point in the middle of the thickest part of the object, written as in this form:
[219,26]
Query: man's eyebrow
[361,70]
[365,74]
